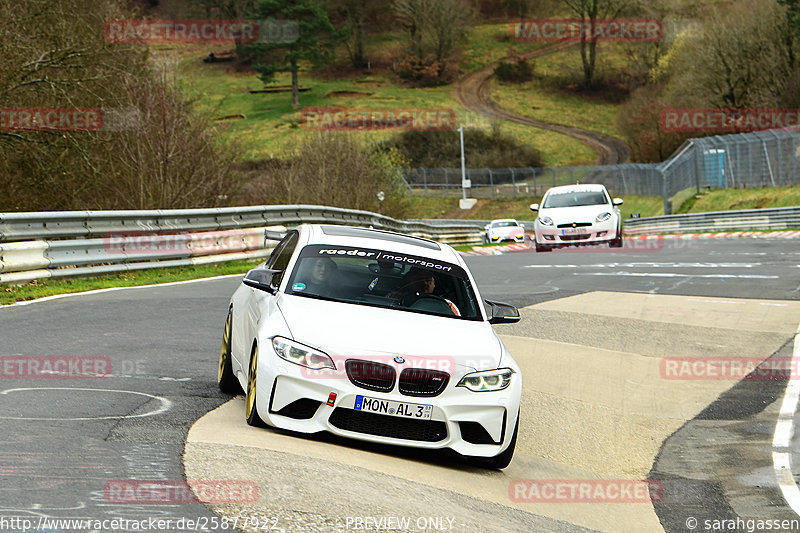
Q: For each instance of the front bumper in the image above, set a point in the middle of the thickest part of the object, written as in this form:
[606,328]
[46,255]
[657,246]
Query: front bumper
[594,233]
[516,237]
[471,423]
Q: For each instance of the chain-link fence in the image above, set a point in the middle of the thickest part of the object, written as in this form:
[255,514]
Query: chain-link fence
[744,160]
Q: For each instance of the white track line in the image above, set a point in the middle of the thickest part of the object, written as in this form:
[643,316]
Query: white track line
[784,429]
[111,289]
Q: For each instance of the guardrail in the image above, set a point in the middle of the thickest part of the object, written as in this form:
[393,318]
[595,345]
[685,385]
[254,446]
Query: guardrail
[83,243]
[750,219]
[86,243]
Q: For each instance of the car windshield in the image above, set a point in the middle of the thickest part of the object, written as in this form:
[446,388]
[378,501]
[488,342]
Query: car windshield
[379,278]
[574,199]
[504,224]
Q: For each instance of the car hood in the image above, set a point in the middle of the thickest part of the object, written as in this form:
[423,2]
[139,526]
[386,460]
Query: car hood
[585,213]
[341,329]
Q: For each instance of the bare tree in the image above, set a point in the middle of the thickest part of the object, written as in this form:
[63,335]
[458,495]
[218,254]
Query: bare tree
[590,11]
[740,60]
[168,155]
[447,23]
[412,17]
[434,27]
[357,14]
[55,56]
[335,169]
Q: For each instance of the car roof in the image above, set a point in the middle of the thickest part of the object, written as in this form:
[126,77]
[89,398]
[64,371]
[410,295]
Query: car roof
[504,220]
[380,239]
[579,187]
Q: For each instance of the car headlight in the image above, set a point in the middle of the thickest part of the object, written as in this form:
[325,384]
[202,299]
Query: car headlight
[487,380]
[602,217]
[545,221]
[296,353]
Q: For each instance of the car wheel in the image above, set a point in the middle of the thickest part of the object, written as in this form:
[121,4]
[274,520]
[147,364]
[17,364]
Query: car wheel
[225,379]
[541,247]
[250,407]
[616,243]
[504,459]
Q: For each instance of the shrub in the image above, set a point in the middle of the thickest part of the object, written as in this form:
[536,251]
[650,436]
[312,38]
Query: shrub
[334,169]
[482,149]
[514,72]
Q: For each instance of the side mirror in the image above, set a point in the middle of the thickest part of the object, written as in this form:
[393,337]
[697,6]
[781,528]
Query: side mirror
[262,279]
[502,313]
[617,201]
[534,207]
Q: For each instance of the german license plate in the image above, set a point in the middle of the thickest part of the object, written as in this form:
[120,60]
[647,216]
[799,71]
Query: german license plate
[572,231]
[393,408]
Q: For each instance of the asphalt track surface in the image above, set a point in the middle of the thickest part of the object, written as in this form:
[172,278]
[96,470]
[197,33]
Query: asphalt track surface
[67,441]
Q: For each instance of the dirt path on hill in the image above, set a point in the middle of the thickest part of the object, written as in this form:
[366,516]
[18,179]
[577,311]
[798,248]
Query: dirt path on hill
[473,92]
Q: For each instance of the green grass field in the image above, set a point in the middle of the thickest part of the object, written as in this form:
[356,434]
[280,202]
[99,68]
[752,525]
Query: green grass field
[265,125]
[519,208]
[731,199]
[544,98]
[49,287]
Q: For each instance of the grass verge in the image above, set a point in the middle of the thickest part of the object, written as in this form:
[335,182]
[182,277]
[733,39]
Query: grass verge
[49,287]
[518,207]
[734,199]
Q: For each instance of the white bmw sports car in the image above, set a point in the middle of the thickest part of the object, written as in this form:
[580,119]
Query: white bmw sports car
[577,214]
[375,336]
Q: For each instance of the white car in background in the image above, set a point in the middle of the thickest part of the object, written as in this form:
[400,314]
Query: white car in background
[572,215]
[505,229]
[375,336]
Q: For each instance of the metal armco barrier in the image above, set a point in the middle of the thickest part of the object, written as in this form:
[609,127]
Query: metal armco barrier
[749,219]
[85,243]
[90,243]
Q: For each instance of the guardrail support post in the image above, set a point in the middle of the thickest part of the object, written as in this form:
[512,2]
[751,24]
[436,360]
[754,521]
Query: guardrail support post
[664,194]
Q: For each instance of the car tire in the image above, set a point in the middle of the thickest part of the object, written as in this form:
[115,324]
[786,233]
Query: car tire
[498,462]
[616,243]
[250,407]
[225,379]
[542,247]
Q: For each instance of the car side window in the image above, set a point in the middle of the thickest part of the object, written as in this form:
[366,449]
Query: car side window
[279,259]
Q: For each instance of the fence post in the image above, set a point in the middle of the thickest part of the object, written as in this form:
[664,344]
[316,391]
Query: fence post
[491,181]
[554,175]
[533,174]
[513,181]
[425,179]
[794,159]
[664,194]
[780,159]
[699,162]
